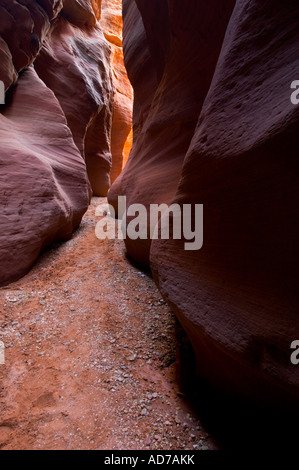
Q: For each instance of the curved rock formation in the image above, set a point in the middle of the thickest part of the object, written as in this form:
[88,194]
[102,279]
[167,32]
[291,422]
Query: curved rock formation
[23,27]
[80,12]
[171,50]
[75,63]
[44,186]
[142,76]
[237,296]
[111,23]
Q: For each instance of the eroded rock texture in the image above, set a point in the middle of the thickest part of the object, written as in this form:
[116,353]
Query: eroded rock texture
[55,63]
[227,139]
[44,186]
[121,142]
[23,27]
[75,63]
[171,50]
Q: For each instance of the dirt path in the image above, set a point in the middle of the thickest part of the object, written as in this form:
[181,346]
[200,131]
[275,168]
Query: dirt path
[91,354]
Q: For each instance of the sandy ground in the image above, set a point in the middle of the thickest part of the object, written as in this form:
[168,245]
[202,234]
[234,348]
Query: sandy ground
[92,355]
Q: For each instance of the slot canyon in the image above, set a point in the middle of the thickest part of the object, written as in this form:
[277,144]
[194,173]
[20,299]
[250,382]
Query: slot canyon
[140,344]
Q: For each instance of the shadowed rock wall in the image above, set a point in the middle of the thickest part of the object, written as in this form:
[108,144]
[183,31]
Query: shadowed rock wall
[55,63]
[214,125]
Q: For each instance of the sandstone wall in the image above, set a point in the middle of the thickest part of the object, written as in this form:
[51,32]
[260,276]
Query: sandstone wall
[214,125]
[171,50]
[56,123]
[121,142]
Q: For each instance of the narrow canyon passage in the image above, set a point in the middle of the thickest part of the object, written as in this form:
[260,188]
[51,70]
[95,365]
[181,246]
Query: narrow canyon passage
[91,354]
[185,113]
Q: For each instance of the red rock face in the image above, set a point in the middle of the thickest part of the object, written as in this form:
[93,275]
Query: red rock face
[57,115]
[111,23]
[142,75]
[225,138]
[44,186]
[23,27]
[79,12]
[170,66]
[75,64]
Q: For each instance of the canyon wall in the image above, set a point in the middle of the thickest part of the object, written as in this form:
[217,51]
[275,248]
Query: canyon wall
[171,50]
[214,125]
[56,123]
[121,142]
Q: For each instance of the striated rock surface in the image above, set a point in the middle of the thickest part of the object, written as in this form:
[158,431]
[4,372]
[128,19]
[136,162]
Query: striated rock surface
[75,64]
[44,187]
[56,115]
[23,27]
[214,125]
[80,12]
[237,297]
[171,50]
[142,76]
[121,142]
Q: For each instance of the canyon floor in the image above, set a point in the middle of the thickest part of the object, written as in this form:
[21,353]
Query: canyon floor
[94,358]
